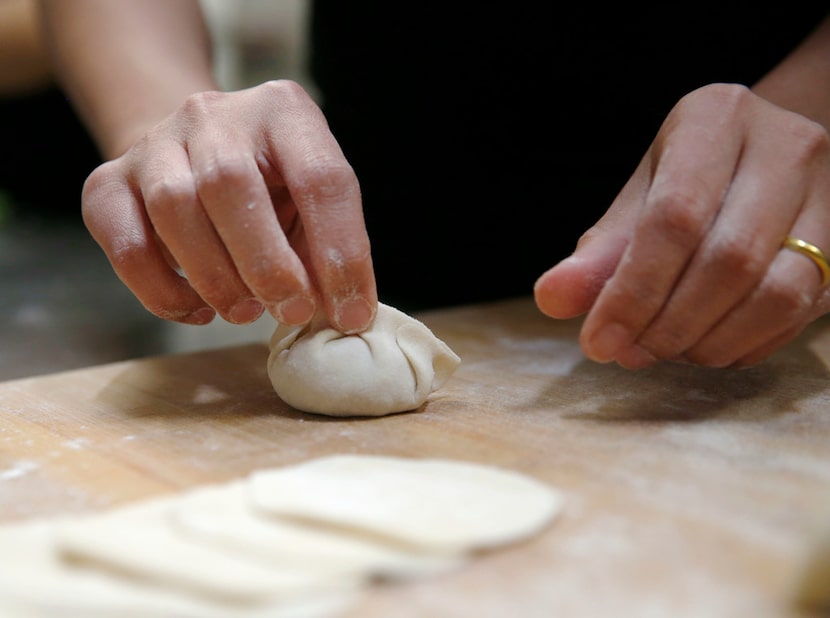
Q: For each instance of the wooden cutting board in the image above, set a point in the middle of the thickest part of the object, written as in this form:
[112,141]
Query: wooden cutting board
[689,492]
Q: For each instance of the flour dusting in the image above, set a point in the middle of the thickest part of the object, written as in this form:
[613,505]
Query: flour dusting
[19,469]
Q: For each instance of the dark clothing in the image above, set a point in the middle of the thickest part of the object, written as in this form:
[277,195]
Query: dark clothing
[46,156]
[487,139]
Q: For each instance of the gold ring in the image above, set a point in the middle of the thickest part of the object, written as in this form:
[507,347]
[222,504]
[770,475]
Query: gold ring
[812,252]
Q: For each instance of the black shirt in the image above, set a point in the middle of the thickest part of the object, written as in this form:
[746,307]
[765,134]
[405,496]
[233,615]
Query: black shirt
[488,136]
[45,156]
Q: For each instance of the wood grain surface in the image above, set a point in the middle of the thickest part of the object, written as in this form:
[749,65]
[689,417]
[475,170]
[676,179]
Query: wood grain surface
[689,492]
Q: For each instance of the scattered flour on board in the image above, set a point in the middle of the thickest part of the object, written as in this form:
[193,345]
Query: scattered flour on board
[539,356]
[19,468]
[76,444]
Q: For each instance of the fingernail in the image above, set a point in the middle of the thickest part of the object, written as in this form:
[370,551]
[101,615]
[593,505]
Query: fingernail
[606,343]
[245,311]
[201,316]
[297,310]
[353,315]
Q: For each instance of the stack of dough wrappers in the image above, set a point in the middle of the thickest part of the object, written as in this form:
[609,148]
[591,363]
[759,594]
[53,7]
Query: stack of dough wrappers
[305,540]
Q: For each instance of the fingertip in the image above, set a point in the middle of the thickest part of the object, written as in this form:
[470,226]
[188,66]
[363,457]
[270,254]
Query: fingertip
[200,317]
[545,296]
[563,292]
[294,311]
[245,311]
[354,315]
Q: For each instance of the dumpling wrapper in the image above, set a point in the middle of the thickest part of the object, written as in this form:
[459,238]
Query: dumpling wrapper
[392,367]
[139,541]
[221,517]
[36,581]
[429,504]
[296,542]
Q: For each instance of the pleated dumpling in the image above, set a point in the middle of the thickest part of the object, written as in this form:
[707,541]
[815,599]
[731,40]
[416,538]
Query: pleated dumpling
[392,367]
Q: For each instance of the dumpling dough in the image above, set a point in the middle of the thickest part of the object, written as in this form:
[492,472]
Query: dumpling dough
[392,367]
[433,505]
[128,541]
[300,541]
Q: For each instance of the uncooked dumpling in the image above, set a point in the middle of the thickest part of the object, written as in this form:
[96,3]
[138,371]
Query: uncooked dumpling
[392,367]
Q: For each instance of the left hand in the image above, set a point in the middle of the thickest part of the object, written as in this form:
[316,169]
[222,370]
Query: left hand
[687,263]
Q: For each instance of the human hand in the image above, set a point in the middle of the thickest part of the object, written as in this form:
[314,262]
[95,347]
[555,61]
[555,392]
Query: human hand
[250,197]
[687,264]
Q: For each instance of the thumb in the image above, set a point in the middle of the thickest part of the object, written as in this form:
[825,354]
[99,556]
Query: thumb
[570,288]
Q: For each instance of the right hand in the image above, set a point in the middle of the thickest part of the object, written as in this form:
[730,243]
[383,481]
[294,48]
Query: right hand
[250,197]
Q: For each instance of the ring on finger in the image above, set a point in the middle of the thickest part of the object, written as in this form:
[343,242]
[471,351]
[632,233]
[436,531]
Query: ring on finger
[815,254]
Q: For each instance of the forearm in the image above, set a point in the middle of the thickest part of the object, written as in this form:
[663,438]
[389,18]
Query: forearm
[125,64]
[23,62]
[801,82]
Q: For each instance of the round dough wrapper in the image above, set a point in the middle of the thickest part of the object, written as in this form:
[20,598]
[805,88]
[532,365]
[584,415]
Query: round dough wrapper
[139,540]
[221,517]
[392,367]
[429,504]
[37,582]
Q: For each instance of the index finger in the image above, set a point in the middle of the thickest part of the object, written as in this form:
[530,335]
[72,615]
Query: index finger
[327,195]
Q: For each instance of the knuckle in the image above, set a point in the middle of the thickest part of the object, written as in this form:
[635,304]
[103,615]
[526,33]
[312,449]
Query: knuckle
[98,189]
[101,177]
[221,172]
[286,90]
[129,254]
[810,141]
[729,97]
[679,214]
[270,283]
[169,192]
[788,301]
[210,282]
[325,177]
[737,259]
[198,104]
[215,288]
[635,299]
